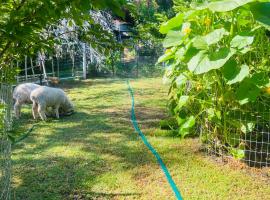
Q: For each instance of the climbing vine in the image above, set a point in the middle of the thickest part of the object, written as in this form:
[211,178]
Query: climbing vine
[218,67]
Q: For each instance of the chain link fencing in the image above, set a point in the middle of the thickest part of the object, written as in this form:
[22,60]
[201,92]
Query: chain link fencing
[5,143]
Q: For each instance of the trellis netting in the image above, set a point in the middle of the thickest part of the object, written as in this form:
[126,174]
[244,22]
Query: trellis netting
[227,127]
[242,132]
[5,143]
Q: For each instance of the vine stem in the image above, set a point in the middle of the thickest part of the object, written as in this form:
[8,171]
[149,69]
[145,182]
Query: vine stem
[232,24]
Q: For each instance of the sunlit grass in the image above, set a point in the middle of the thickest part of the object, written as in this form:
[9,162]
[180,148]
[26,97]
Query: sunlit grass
[95,153]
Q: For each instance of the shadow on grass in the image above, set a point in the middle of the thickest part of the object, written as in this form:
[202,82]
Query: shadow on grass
[70,158]
[44,175]
[57,177]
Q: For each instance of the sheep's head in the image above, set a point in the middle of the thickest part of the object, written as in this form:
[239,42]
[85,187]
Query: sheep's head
[67,108]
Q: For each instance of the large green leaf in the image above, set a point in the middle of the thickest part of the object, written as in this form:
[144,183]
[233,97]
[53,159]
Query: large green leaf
[169,54]
[241,42]
[199,43]
[243,73]
[247,92]
[233,73]
[180,120]
[190,53]
[215,36]
[202,62]
[203,42]
[213,115]
[189,123]
[180,53]
[186,126]
[173,38]
[183,101]
[199,6]
[172,23]
[260,79]
[261,12]
[180,80]
[227,5]
[237,153]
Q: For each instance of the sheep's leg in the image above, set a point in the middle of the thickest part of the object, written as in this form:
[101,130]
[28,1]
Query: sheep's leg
[34,110]
[41,111]
[17,109]
[56,110]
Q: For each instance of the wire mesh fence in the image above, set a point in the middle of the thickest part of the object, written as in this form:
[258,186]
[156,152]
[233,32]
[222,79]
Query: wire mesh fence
[5,143]
[230,129]
[62,68]
[242,132]
[140,66]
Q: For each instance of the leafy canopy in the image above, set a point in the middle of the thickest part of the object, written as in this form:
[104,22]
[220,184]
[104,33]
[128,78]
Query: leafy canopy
[23,24]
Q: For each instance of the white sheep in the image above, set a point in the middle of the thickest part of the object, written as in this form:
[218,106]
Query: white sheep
[21,95]
[46,97]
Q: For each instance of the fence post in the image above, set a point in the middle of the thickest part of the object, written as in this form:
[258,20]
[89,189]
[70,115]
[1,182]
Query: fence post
[25,68]
[84,62]
[58,68]
[32,67]
[42,64]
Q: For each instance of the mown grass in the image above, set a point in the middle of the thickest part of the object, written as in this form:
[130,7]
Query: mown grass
[95,153]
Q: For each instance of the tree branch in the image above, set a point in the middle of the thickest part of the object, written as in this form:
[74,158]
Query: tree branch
[5,49]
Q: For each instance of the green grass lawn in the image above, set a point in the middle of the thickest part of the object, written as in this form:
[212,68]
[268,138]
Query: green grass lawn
[95,153]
